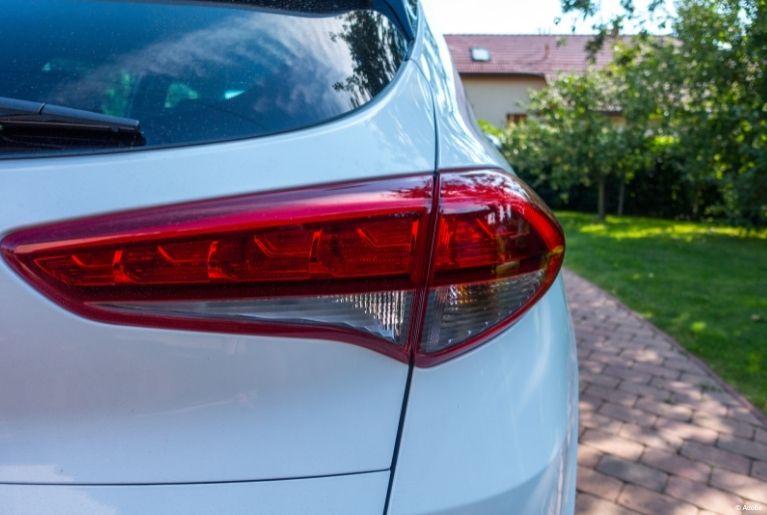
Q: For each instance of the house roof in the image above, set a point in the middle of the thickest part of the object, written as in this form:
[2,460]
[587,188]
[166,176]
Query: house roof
[525,54]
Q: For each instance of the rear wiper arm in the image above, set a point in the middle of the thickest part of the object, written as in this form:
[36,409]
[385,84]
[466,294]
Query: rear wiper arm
[43,117]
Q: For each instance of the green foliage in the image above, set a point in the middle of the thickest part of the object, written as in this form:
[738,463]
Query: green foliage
[703,96]
[667,271]
[576,137]
[490,129]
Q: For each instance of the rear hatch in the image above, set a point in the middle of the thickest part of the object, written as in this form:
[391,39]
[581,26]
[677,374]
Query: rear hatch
[232,99]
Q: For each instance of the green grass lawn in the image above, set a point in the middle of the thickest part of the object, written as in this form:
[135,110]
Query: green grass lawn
[704,285]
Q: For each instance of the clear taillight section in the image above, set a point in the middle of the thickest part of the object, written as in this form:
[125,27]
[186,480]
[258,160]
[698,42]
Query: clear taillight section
[397,265]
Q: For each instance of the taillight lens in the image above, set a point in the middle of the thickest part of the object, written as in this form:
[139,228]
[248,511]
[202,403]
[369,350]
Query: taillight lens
[380,263]
[341,262]
[497,250]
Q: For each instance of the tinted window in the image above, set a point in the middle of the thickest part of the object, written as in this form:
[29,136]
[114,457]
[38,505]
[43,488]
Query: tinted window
[195,72]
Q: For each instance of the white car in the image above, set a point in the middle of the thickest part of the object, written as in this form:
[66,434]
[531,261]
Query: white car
[257,258]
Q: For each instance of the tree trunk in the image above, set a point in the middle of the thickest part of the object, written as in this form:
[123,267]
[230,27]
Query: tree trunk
[695,202]
[601,198]
[621,196]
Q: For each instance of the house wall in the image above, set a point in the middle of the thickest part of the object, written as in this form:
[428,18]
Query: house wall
[495,97]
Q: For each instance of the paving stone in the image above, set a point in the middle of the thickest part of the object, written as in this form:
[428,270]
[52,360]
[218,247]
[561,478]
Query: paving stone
[600,379]
[683,365]
[588,504]
[677,464]
[587,402]
[592,420]
[657,370]
[651,437]
[699,381]
[588,456]
[607,358]
[745,486]
[674,386]
[612,395]
[666,410]
[744,415]
[649,356]
[590,366]
[687,431]
[659,434]
[717,457]
[605,346]
[644,390]
[634,416]
[632,472]
[595,483]
[612,444]
[653,503]
[628,374]
[650,341]
[702,404]
[759,470]
[702,495]
[744,447]
[721,396]
[724,425]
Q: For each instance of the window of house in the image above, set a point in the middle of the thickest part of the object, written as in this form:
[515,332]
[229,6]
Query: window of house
[480,54]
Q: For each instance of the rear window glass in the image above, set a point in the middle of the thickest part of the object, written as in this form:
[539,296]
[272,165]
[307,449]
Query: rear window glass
[195,72]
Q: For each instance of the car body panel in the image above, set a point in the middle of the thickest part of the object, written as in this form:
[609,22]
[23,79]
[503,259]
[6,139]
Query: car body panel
[461,143]
[495,430]
[393,134]
[87,402]
[107,419]
[361,494]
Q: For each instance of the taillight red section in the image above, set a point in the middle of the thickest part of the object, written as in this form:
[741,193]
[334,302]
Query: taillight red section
[341,262]
[358,262]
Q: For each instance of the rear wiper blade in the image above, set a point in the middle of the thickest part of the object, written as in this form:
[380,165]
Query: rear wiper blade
[25,115]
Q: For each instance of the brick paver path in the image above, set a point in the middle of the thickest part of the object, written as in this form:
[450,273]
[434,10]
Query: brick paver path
[660,434]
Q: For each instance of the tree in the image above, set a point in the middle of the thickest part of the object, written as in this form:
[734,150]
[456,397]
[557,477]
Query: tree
[705,89]
[571,137]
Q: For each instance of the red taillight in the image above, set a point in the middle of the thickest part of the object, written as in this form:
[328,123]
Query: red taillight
[372,263]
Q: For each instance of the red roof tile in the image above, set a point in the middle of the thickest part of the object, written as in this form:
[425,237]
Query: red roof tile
[541,55]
